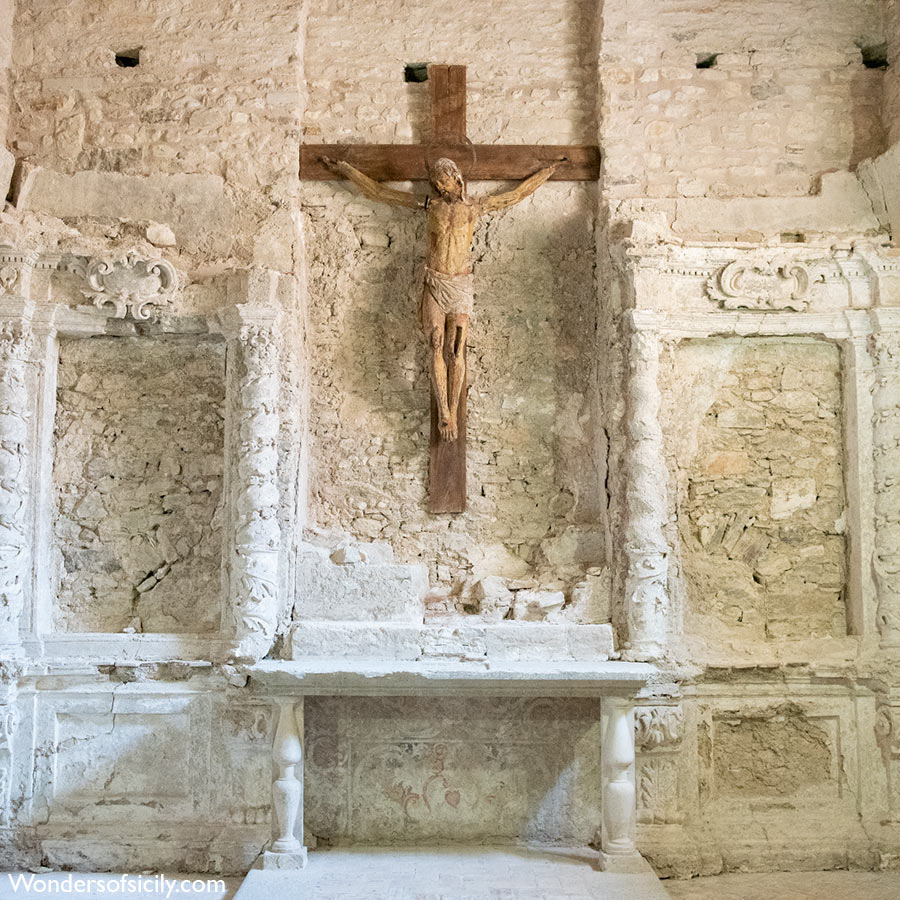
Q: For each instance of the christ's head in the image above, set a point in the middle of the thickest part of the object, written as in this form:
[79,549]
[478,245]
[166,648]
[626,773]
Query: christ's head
[447,180]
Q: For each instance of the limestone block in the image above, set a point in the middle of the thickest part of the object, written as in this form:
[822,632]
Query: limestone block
[160,235]
[590,601]
[535,606]
[792,494]
[494,598]
[516,641]
[574,546]
[195,206]
[590,642]
[880,178]
[497,560]
[378,552]
[360,640]
[456,642]
[841,206]
[358,590]
[521,641]
[502,641]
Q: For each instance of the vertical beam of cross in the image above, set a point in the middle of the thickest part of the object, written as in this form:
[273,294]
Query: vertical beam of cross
[447,459]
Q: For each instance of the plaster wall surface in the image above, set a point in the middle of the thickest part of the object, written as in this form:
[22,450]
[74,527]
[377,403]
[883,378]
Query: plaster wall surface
[398,771]
[531,72]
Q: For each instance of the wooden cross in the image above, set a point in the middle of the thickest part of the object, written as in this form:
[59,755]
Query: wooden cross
[493,162]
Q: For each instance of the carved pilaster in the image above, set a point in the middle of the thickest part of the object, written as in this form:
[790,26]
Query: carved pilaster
[16,341]
[9,720]
[646,597]
[885,346]
[254,489]
[658,734]
[287,850]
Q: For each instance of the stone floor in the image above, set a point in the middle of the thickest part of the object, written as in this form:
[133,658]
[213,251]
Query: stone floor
[790,886]
[451,874]
[502,875]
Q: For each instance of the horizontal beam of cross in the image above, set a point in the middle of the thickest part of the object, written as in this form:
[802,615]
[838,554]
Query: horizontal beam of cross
[493,162]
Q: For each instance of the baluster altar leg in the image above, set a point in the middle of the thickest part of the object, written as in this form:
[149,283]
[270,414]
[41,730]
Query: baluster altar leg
[287,850]
[617,847]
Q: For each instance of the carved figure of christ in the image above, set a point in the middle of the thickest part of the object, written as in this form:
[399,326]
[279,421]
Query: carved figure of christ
[447,292]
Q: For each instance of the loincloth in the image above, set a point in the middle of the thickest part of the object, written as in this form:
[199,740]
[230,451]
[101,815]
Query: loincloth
[454,294]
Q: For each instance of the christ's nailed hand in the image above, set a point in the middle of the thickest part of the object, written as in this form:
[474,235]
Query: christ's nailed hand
[329,163]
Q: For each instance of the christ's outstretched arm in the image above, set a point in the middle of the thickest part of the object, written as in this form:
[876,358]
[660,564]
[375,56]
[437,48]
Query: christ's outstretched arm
[373,189]
[524,189]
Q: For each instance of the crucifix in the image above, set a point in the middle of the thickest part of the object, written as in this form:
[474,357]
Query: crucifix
[447,290]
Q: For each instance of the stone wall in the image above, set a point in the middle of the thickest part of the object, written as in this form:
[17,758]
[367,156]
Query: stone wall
[192,86]
[717,122]
[138,478]
[536,462]
[714,99]
[891,109]
[6,19]
[198,86]
[531,69]
[756,463]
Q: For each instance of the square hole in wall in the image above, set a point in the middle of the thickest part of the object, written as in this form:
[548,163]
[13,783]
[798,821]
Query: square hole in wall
[128,59]
[137,478]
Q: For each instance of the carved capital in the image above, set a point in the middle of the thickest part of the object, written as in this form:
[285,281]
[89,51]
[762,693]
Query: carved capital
[647,601]
[16,340]
[658,726]
[15,270]
[765,284]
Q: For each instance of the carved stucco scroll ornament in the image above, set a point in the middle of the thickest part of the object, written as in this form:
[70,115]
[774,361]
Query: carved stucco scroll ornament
[135,285]
[772,285]
[658,726]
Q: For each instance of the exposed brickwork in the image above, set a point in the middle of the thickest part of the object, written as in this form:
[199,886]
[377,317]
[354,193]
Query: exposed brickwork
[787,98]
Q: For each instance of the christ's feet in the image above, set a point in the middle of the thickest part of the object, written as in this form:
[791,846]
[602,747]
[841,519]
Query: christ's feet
[447,430]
